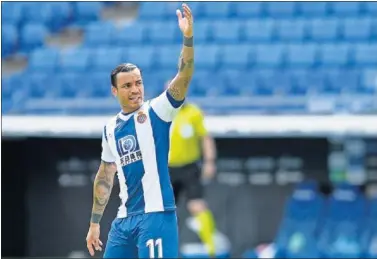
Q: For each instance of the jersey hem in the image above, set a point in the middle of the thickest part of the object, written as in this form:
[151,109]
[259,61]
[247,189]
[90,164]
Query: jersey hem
[120,216]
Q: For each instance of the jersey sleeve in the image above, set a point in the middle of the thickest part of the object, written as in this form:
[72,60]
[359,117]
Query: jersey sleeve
[106,155]
[200,128]
[165,106]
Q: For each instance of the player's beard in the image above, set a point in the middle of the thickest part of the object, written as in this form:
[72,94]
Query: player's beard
[132,105]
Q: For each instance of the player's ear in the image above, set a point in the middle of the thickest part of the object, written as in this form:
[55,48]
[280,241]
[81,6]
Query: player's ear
[114,91]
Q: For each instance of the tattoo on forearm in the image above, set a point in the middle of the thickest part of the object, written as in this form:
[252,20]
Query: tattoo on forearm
[103,185]
[179,85]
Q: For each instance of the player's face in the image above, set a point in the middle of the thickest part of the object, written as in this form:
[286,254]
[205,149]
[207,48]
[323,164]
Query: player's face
[129,90]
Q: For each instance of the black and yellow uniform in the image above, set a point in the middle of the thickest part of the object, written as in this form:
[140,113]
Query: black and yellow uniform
[186,136]
[185,151]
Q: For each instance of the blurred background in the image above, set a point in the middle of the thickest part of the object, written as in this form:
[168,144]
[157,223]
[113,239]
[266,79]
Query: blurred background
[289,90]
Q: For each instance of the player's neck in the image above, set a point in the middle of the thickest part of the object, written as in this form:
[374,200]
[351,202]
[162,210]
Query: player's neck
[126,111]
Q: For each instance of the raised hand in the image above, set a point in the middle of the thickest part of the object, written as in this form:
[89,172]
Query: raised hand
[185,21]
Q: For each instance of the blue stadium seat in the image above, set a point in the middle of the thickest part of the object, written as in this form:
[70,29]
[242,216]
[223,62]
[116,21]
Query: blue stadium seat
[38,85]
[235,56]
[248,9]
[259,30]
[366,54]
[202,31]
[292,30]
[9,40]
[342,9]
[302,55]
[86,12]
[269,55]
[75,60]
[341,235]
[134,33]
[313,8]
[369,78]
[216,9]
[324,29]
[279,9]
[263,82]
[151,10]
[72,83]
[170,9]
[238,82]
[62,15]
[12,12]
[313,80]
[303,212]
[32,36]
[279,81]
[99,34]
[38,12]
[170,32]
[144,57]
[343,80]
[7,87]
[44,60]
[295,88]
[155,81]
[206,56]
[226,31]
[106,59]
[168,56]
[371,8]
[337,55]
[100,85]
[357,28]
[203,82]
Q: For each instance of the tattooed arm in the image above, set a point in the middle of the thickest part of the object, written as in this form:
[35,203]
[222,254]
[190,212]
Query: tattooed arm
[179,85]
[103,185]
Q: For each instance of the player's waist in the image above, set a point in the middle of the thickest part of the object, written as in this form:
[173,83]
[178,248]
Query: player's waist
[126,214]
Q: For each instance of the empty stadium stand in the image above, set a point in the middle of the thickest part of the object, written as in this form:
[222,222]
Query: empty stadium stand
[341,225]
[276,55]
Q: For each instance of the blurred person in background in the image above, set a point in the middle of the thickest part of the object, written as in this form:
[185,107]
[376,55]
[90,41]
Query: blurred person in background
[135,143]
[189,143]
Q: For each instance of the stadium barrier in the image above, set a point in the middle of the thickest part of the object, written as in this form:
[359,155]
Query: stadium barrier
[220,126]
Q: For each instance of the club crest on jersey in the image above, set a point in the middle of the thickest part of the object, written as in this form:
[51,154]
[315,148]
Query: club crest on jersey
[128,150]
[141,117]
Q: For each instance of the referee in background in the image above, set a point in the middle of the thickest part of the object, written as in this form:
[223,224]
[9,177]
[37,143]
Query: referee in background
[189,144]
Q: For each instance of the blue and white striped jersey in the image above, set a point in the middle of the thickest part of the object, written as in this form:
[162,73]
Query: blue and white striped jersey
[139,145]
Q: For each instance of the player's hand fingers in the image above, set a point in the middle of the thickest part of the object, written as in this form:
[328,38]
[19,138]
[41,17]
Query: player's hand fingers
[90,248]
[100,242]
[179,14]
[187,11]
[96,244]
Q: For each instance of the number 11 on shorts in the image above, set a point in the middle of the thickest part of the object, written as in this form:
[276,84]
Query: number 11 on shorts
[152,244]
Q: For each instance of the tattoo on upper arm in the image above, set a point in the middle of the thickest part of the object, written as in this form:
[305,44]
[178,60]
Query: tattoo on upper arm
[103,185]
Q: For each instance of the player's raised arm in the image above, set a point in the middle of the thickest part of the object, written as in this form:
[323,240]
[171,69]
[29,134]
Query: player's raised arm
[179,85]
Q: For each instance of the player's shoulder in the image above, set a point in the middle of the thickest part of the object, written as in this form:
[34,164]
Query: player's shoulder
[111,122]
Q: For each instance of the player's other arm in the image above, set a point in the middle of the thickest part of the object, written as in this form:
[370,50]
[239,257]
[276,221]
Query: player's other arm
[103,184]
[179,85]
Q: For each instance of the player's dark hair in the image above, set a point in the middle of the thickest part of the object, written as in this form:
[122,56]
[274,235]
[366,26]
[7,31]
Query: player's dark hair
[125,67]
